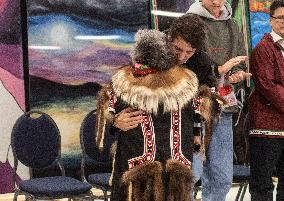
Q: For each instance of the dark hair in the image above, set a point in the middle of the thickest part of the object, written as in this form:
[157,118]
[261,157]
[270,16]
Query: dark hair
[191,29]
[276,4]
[153,48]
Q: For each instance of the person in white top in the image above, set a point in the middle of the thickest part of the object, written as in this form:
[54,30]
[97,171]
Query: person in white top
[277,38]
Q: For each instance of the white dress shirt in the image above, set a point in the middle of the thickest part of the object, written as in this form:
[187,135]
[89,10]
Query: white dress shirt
[278,39]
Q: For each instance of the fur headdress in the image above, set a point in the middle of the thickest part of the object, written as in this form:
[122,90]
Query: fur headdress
[154,80]
[153,49]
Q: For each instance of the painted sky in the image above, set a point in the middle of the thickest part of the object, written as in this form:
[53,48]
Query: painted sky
[79,41]
[74,60]
[125,14]
[70,59]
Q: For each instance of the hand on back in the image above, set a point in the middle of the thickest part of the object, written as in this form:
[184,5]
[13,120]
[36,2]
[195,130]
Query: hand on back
[128,119]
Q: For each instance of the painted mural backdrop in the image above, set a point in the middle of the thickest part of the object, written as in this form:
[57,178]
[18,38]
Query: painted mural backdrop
[12,99]
[74,47]
[259,18]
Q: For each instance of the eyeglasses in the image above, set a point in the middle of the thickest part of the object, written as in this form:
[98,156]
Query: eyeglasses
[278,18]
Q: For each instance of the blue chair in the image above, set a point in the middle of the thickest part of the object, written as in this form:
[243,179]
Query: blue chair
[36,142]
[92,156]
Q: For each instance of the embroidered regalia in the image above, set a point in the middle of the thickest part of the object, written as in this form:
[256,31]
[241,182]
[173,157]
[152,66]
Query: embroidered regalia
[152,161]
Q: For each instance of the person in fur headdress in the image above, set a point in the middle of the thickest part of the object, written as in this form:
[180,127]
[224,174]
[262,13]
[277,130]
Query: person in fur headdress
[153,160]
[187,36]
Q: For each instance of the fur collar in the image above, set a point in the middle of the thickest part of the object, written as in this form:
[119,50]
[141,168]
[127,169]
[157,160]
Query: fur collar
[173,88]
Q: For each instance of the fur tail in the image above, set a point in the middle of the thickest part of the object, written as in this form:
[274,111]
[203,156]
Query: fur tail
[180,181]
[210,110]
[103,116]
[145,182]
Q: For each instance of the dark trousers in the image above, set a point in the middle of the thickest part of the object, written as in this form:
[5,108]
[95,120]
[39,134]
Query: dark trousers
[266,160]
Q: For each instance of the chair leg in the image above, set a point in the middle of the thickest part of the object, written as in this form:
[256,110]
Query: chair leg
[239,191]
[105,195]
[16,196]
[244,191]
[29,198]
[195,193]
[91,196]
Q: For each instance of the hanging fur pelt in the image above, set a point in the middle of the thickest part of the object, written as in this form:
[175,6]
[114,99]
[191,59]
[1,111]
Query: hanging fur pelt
[145,182]
[210,110]
[180,181]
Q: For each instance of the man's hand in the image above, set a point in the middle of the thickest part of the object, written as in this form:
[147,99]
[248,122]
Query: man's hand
[128,119]
[231,63]
[238,76]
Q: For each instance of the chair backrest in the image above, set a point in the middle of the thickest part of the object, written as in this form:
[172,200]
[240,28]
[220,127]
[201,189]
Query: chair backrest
[35,140]
[88,139]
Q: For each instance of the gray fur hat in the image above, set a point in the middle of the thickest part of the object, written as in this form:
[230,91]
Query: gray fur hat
[152,48]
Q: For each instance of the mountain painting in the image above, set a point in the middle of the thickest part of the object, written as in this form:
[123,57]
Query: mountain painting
[75,46]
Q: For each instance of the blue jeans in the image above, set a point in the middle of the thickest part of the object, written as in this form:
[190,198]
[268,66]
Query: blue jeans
[217,173]
[197,166]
